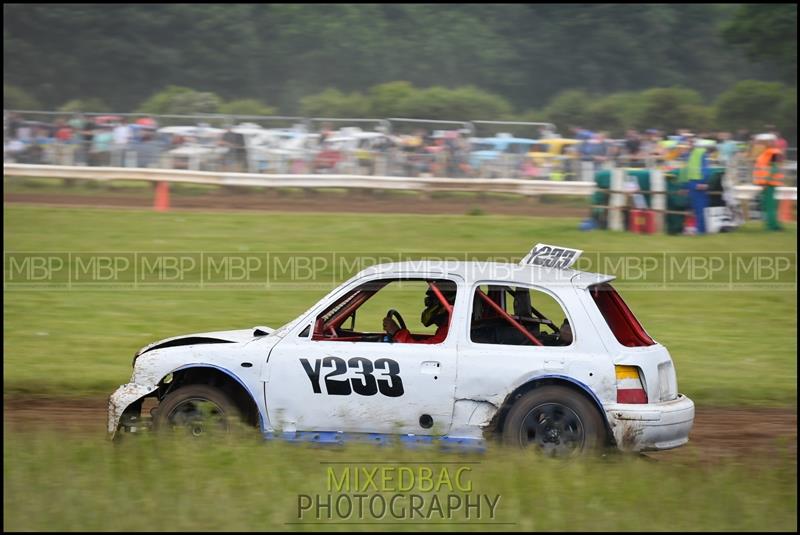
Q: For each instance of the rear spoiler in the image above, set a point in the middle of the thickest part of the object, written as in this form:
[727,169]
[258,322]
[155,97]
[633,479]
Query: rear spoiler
[584,279]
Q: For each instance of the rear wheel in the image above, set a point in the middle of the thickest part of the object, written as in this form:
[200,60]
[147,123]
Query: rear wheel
[555,420]
[198,410]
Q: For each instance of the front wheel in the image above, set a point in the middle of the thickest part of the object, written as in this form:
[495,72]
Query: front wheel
[197,409]
[556,420]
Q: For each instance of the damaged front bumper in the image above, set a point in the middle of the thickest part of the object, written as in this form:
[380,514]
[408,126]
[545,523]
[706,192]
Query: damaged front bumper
[120,400]
[652,426]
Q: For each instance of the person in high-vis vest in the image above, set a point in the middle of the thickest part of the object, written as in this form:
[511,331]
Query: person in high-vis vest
[768,175]
[695,175]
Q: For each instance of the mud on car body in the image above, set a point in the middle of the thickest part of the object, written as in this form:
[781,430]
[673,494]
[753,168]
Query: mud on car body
[535,353]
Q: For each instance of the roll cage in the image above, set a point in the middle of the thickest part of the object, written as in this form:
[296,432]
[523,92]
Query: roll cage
[327,324]
[524,313]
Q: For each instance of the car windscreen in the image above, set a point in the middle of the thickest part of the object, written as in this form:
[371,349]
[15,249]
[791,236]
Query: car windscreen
[518,148]
[626,328]
[483,146]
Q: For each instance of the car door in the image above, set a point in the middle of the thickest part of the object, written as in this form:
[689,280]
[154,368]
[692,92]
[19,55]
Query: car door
[357,386]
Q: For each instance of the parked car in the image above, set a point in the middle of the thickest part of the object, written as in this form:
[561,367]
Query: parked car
[195,147]
[497,156]
[534,354]
[351,150]
[546,151]
[279,150]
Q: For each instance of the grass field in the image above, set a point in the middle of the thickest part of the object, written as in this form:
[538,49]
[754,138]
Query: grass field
[732,346]
[251,486]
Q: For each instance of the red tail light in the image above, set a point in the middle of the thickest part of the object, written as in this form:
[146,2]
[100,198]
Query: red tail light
[630,388]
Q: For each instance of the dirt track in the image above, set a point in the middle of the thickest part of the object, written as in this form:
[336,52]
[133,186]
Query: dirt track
[717,433]
[357,202]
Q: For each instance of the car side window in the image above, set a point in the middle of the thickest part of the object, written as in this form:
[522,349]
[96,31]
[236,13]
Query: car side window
[358,316]
[514,315]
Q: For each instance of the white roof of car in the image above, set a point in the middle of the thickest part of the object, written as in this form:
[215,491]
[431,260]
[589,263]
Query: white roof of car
[474,271]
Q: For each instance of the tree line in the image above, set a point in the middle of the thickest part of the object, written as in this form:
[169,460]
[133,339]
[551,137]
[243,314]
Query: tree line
[603,66]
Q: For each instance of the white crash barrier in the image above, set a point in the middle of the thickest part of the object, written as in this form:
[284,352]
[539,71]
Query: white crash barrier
[750,191]
[499,185]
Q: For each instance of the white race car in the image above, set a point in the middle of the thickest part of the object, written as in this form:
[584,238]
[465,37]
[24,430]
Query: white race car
[496,366]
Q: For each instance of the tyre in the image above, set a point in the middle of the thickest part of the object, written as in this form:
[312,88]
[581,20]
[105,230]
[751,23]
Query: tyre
[555,420]
[198,410]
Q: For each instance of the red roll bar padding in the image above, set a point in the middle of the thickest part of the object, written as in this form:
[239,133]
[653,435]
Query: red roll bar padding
[507,317]
[319,326]
[438,293]
[340,316]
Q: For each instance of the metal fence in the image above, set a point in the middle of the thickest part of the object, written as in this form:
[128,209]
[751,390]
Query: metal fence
[299,145]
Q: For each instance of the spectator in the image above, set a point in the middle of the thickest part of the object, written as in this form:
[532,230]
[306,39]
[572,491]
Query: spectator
[13,151]
[148,149]
[387,148]
[235,157]
[14,123]
[411,147]
[77,122]
[63,131]
[462,153]
[325,132]
[328,158]
[727,148]
[365,157]
[633,144]
[101,146]
[696,171]
[122,136]
[452,149]
[768,175]
[63,143]
[529,169]
[24,132]
[42,144]
[79,152]
[584,152]
[546,132]
[780,143]
[134,134]
[651,146]
[581,133]
[599,149]
[84,138]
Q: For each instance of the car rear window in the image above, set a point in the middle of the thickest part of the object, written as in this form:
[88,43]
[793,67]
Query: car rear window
[626,328]
[519,316]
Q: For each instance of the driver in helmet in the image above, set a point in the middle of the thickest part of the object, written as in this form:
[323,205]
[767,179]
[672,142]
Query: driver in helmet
[434,313]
